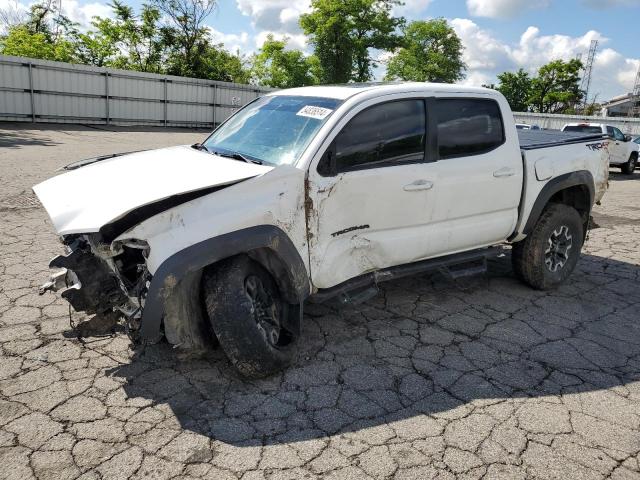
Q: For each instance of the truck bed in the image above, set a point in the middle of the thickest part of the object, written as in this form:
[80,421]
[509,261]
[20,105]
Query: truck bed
[534,139]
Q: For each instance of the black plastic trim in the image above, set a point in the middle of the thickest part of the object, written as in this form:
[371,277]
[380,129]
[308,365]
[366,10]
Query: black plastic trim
[111,231]
[400,271]
[210,251]
[561,182]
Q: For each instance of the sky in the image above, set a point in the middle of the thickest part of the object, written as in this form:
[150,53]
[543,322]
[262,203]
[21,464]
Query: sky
[498,35]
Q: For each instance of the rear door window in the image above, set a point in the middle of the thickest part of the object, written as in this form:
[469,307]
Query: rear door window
[468,126]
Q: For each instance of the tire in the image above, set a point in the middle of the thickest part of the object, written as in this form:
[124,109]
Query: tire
[629,167]
[246,312]
[550,253]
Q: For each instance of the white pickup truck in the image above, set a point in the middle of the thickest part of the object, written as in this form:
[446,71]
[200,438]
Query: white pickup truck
[314,193]
[623,152]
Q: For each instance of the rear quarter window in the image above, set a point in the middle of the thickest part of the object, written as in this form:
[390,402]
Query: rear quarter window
[468,126]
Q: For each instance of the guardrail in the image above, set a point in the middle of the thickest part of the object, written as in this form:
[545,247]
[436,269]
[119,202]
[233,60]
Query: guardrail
[45,91]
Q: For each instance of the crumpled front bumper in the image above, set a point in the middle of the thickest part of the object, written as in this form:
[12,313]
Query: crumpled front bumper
[86,281]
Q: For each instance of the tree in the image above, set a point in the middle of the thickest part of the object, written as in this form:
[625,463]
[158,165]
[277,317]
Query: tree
[344,31]
[219,64]
[186,34]
[274,66]
[23,43]
[557,87]
[12,14]
[127,41]
[41,35]
[431,52]
[516,87]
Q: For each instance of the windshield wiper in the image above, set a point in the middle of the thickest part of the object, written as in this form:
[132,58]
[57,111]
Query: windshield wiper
[199,146]
[237,156]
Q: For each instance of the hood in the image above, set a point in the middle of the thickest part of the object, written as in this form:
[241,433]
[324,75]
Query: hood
[87,198]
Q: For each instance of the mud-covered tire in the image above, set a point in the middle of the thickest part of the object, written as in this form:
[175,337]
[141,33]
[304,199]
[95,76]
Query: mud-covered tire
[629,167]
[542,260]
[244,303]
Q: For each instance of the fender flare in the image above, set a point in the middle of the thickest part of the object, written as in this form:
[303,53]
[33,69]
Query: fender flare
[561,182]
[202,254]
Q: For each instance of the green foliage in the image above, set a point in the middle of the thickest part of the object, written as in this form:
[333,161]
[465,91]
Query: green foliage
[21,42]
[557,87]
[431,52]
[344,31]
[274,66]
[127,41]
[186,35]
[516,87]
[216,63]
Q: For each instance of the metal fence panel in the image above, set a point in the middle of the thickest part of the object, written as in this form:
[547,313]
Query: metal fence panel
[47,91]
[629,126]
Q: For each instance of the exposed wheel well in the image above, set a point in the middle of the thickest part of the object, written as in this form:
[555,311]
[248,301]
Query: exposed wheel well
[577,197]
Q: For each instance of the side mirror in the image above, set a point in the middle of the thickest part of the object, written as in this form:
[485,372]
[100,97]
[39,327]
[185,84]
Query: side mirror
[627,138]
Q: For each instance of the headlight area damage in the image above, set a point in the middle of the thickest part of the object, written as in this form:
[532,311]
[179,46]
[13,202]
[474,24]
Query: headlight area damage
[96,278]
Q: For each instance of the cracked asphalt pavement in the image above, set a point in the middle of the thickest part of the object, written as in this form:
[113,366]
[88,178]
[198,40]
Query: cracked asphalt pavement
[476,378]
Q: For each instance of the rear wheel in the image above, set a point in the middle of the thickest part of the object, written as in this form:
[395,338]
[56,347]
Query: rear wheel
[256,328]
[629,167]
[549,254]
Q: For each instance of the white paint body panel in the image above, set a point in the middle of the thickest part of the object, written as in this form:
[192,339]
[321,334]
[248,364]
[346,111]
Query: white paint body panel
[473,202]
[83,200]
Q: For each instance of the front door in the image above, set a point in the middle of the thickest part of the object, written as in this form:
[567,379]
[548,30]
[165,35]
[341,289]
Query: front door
[617,147]
[371,196]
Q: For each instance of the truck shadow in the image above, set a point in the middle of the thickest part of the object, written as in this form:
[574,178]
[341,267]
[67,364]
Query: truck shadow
[423,346]
[618,176]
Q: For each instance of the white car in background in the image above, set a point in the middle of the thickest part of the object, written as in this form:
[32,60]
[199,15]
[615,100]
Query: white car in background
[623,152]
[526,126]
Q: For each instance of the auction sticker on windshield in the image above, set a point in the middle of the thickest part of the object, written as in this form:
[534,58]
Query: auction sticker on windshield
[314,112]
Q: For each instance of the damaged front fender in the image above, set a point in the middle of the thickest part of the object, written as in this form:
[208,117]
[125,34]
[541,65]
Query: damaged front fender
[173,290]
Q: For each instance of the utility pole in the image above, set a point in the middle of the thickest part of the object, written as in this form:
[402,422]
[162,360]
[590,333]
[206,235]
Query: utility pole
[586,79]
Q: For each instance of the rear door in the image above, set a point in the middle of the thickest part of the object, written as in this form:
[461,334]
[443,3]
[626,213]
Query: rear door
[479,175]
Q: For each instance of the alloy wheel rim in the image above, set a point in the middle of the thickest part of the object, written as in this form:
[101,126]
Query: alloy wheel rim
[559,244]
[263,309]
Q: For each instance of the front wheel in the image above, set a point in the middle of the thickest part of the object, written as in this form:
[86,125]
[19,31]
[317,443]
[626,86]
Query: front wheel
[549,254]
[256,328]
[629,167]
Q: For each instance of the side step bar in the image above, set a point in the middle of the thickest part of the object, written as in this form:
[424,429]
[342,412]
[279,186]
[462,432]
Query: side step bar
[364,287]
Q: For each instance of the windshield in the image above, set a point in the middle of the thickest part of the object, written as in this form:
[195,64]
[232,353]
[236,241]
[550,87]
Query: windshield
[273,129]
[582,129]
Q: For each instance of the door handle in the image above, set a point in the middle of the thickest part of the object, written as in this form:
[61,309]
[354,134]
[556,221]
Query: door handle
[418,185]
[504,172]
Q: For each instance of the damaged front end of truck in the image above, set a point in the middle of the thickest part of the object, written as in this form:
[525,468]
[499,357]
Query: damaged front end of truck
[100,279]
[105,270]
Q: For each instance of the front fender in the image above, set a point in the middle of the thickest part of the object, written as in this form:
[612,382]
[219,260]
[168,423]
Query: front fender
[196,257]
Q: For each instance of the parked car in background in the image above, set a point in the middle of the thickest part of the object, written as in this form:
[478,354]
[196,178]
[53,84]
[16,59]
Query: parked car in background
[623,152]
[526,126]
[314,193]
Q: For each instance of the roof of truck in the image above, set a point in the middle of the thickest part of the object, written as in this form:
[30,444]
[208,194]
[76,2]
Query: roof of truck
[347,90]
